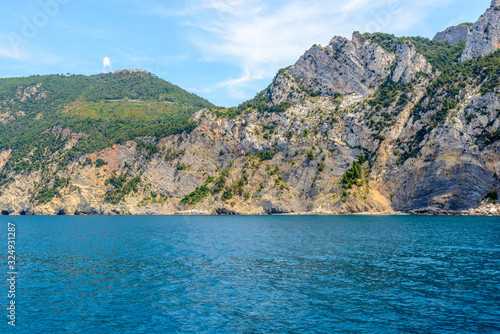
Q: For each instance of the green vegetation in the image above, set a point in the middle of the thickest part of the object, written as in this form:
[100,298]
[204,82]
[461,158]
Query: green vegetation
[263,155]
[387,94]
[441,55]
[235,189]
[122,187]
[107,108]
[491,137]
[467,24]
[100,163]
[261,102]
[153,198]
[171,154]
[492,196]
[442,95]
[61,182]
[378,136]
[147,149]
[220,181]
[4,179]
[197,196]
[353,176]
[45,195]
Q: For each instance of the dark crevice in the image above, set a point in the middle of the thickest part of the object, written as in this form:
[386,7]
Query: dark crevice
[5,213]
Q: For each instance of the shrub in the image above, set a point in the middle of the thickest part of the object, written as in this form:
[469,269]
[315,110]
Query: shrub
[321,167]
[121,188]
[310,155]
[196,196]
[100,163]
[352,176]
[492,196]
[45,195]
[263,155]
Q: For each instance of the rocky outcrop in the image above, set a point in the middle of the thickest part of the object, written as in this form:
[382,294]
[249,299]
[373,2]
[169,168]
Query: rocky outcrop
[454,35]
[346,67]
[342,67]
[369,128]
[4,158]
[410,62]
[485,35]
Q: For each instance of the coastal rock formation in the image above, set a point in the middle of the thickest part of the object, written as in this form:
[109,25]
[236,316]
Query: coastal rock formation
[485,35]
[343,66]
[410,62]
[454,35]
[375,124]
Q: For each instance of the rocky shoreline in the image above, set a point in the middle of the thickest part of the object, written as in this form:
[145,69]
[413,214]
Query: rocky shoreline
[368,125]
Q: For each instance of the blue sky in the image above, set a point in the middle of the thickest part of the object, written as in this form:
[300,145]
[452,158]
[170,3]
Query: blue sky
[223,50]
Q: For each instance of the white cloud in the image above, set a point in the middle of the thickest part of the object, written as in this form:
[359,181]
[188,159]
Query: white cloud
[260,37]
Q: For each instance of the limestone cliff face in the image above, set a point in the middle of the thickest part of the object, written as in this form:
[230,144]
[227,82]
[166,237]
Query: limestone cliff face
[454,35]
[346,67]
[368,128]
[409,64]
[485,35]
[343,66]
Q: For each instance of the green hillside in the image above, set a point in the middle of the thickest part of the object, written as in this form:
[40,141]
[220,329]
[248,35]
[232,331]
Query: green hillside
[107,108]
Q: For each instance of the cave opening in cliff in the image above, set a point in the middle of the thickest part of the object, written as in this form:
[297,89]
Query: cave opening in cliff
[5,213]
[61,213]
[22,213]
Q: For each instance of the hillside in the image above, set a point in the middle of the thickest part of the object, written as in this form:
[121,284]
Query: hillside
[87,114]
[372,124]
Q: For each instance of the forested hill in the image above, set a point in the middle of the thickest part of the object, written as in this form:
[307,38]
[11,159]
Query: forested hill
[89,112]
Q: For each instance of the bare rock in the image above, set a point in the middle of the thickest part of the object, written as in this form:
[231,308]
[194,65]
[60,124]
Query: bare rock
[454,35]
[410,62]
[485,36]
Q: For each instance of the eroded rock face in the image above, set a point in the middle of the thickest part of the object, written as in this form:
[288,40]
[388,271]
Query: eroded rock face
[485,35]
[410,62]
[454,35]
[342,67]
[4,158]
[410,155]
[346,67]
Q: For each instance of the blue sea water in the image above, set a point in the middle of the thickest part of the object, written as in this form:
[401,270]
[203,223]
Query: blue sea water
[272,274]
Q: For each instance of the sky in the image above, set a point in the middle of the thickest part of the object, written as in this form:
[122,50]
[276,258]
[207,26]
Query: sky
[223,50]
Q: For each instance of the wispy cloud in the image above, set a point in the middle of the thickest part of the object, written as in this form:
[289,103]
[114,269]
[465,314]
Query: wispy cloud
[262,36]
[11,53]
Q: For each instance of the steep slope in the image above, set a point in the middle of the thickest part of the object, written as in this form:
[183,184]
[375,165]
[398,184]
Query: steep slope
[375,124]
[485,35]
[454,35]
[87,114]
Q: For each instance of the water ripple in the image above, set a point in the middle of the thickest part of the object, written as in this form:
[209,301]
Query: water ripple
[258,274]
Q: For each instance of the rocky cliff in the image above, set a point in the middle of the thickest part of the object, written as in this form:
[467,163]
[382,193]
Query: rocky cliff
[485,35]
[374,124]
[454,35]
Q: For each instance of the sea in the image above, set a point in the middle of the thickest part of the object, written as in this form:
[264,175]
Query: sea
[250,274]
